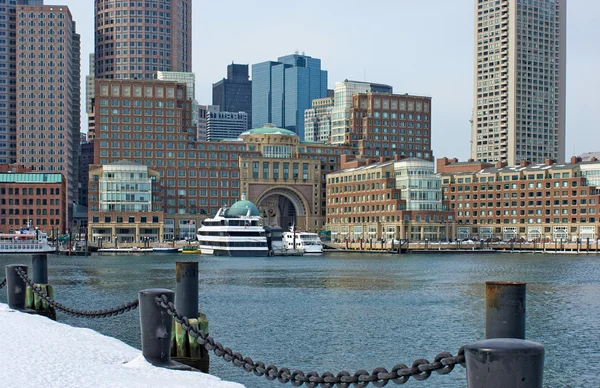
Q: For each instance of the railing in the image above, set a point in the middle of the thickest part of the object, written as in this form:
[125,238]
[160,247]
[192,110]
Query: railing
[503,359]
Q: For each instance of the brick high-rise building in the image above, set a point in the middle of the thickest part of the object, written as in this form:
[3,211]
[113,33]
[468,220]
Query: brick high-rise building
[48,92]
[134,40]
[386,125]
[519,86]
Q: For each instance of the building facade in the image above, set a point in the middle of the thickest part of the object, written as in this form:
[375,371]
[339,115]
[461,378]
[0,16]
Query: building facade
[386,125]
[536,202]
[317,120]
[125,204]
[86,157]
[8,91]
[520,70]
[234,93]
[134,40]
[340,113]
[397,199]
[31,198]
[48,92]
[283,90]
[224,125]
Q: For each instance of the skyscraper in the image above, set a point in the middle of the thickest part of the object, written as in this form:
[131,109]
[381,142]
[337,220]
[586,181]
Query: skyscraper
[283,90]
[48,98]
[8,96]
[134,40]
[234,93]
[519,90]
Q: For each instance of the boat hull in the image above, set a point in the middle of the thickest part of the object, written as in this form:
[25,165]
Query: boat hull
[234,252]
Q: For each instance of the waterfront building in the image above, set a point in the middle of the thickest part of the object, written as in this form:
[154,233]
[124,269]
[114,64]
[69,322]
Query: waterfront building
[387,125]
[317,120]
[48,98]
[283,90]
[224,125]
[200,177]
[8,92]
[234,93]
[134,40]
[125,203]
[389,199]
[90,80]
[537,202]
[520,79]
[32,198]
[340,114]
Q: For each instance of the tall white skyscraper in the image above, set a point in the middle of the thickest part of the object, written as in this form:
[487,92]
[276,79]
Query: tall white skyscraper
[519,90]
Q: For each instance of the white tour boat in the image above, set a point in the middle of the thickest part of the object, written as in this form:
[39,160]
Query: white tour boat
[302,241]
[26,240]
[234,231]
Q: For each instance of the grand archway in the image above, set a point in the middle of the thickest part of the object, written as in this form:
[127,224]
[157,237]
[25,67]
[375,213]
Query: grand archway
[283,207]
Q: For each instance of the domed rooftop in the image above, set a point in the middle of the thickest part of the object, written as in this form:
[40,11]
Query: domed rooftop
[240,208]
[269,129]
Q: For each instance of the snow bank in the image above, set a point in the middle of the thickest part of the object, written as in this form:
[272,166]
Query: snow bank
[36,351]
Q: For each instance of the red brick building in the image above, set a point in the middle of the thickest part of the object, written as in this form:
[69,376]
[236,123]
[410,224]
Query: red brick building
[398,198]
[550,201]
[32,198]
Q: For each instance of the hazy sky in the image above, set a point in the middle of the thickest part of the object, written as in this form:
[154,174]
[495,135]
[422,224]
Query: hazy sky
[422,47]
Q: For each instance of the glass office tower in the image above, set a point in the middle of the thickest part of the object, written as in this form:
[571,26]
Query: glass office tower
[283,90]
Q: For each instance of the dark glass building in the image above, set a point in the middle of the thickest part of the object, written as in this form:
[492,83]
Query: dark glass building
[234,93]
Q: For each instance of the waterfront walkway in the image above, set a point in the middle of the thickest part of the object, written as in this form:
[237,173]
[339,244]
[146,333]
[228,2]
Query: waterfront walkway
[36,351]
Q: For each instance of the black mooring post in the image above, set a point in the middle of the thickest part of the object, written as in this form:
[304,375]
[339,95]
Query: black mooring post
[186,291]
[16,288]
[39,266]
[155,326]
[504,362]
[505,310]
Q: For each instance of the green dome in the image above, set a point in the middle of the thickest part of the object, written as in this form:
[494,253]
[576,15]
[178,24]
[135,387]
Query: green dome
[269,129]
[240,208]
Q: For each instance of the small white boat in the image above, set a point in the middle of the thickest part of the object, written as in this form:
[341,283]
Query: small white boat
[306,242]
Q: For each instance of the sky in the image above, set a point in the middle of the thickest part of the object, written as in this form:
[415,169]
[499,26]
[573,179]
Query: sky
[420,47]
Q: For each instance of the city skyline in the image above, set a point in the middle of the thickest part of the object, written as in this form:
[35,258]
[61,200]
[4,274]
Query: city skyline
[432,55]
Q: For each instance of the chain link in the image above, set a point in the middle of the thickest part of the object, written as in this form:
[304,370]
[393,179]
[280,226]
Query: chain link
[78,313]
[3,283]
[421,369]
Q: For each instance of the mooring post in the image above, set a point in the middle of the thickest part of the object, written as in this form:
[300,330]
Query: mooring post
[39,264]
[16,288]
[505,310]
[184,348]
[504,362]
[155,327]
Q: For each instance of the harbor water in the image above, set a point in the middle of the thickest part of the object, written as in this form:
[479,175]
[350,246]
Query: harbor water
[351,311]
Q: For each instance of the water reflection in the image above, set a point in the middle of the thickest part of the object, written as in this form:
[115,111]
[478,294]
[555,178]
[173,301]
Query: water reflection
[351,311]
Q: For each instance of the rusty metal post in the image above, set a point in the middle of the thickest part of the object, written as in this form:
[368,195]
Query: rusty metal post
[505,362]
[155,326]
[39,266]
[505,310]
[186,289]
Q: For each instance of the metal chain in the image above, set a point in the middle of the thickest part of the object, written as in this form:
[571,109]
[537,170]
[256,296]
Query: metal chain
[420,369]
[78,313]
[3,283]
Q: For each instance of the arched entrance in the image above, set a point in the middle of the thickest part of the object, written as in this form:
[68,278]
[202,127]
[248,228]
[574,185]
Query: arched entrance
[283,207]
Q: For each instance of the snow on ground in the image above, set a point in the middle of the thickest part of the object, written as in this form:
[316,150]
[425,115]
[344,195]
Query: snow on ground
[36,351]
